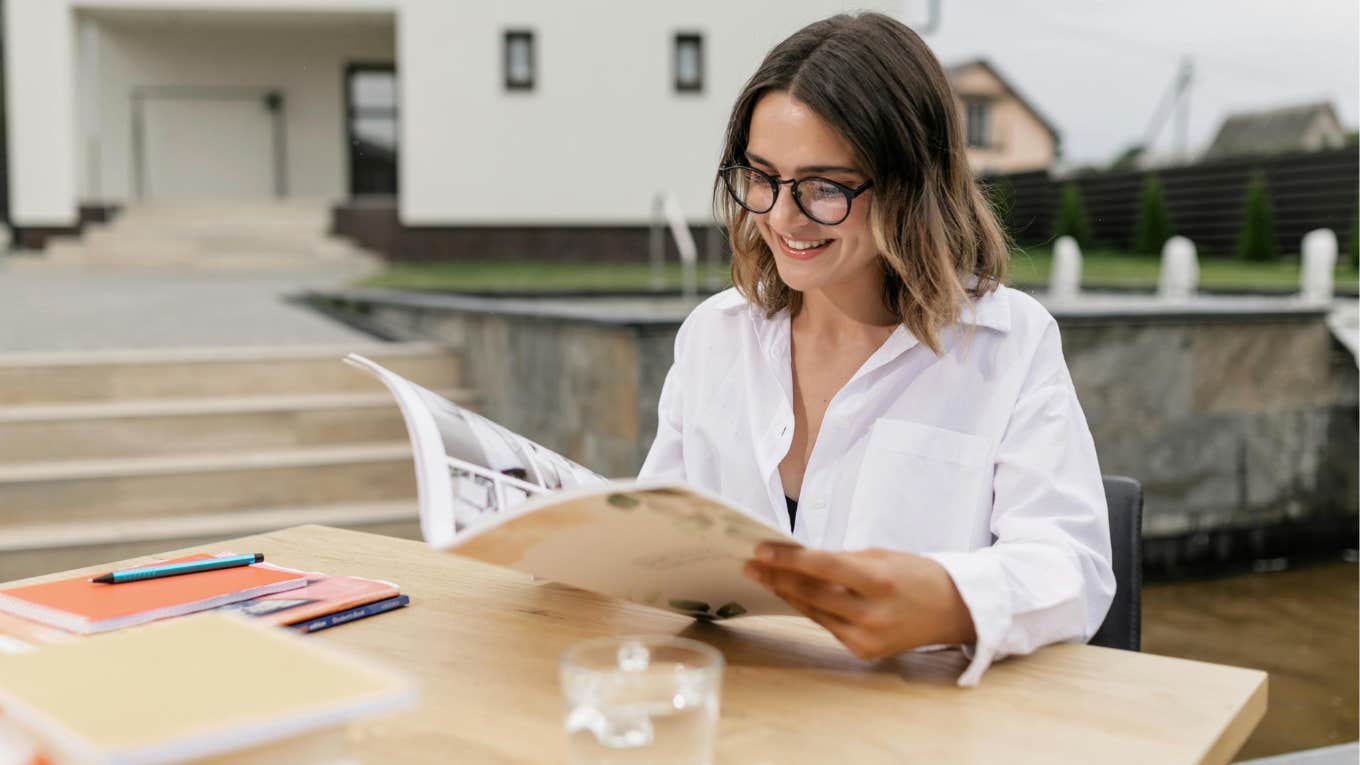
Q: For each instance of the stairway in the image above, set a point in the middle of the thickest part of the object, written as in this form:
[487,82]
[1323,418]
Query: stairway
[216,235]
[107,455]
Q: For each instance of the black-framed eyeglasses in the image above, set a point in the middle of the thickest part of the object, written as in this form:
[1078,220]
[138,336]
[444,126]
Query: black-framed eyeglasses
[821,199]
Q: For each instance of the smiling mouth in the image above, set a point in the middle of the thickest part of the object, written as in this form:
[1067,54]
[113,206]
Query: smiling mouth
[802,249]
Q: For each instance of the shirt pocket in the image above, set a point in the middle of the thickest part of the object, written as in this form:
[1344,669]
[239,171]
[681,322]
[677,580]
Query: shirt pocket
[921,488]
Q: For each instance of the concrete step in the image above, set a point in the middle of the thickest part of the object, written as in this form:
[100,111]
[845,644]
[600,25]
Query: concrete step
[41,432]
[210,235]
[35,378]
[238,255]
[225,244]
[236,263]
[293,212]
[128,488]
[41,548]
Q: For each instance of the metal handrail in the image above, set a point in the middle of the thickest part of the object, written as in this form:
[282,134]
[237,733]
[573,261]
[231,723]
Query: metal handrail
[666,212]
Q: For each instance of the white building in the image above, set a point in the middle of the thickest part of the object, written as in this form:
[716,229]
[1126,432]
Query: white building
[478,116]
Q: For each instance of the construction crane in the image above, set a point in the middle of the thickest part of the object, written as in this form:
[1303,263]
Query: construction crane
[1175,101]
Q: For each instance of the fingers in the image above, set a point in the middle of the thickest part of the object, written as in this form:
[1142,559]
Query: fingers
[860,574]
[860,642]
[821,594]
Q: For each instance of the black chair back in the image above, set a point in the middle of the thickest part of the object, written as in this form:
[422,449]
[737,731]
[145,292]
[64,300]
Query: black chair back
[1123,624]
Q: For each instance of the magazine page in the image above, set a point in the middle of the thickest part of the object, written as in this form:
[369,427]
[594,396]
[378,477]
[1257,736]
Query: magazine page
[469,468]
[433,483]
[660,544]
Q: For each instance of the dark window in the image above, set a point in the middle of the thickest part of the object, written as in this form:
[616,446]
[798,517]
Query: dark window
[519,60]
[977,114]
[689,63]
[371,124]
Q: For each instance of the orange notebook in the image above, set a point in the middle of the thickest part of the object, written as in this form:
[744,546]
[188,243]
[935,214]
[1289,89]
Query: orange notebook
[79,605]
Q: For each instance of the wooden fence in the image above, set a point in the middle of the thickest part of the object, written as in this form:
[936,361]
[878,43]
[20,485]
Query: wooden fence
[1205,200]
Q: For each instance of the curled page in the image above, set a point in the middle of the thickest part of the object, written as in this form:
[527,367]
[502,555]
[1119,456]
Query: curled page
[468,467]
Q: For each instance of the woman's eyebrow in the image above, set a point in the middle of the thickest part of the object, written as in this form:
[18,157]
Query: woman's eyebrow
[806,169]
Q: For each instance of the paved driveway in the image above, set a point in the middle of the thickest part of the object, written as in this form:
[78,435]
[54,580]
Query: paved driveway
[59,307]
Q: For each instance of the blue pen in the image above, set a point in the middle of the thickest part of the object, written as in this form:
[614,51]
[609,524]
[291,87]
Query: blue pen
[175,569]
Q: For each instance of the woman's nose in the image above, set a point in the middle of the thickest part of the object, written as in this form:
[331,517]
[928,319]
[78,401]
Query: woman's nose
[785,215]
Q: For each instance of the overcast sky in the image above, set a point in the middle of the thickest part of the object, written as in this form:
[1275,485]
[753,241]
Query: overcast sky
[1098,68]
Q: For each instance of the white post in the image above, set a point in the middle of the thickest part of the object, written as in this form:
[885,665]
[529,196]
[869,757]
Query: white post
[1179,277]
[657,241]
[684,242]
[1318,253]
[1064,282]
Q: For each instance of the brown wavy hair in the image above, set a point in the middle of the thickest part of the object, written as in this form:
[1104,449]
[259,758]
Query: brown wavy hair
[876,83]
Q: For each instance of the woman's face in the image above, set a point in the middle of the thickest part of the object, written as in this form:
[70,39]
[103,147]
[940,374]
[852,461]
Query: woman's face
[789,141]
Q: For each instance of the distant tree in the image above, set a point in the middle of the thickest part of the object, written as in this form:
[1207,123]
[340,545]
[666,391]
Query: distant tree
[1257,239]
[1071,220]
[1154,222]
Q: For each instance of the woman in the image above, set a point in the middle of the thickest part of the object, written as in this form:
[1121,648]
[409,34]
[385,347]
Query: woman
[869,384]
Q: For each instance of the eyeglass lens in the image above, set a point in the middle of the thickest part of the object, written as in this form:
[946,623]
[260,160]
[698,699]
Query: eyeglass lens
[822,201]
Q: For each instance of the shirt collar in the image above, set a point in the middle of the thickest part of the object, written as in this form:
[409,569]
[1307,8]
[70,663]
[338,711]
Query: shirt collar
[992,310]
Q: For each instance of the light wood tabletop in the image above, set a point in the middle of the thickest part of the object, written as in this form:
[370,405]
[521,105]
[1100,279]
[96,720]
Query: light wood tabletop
[483,645]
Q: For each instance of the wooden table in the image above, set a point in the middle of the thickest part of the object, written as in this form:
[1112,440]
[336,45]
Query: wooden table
[483,645]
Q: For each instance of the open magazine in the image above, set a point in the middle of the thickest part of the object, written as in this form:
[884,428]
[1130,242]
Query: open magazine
[491,494]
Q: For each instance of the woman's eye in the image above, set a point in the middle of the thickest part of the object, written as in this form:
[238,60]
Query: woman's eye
[825,191]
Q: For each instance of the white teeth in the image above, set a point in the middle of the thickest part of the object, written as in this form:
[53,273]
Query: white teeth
[800,245]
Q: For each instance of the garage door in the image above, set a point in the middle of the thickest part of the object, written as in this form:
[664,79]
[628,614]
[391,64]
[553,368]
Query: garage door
[208,148]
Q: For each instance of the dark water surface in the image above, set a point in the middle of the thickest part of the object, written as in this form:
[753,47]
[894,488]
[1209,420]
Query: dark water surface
[1300,625]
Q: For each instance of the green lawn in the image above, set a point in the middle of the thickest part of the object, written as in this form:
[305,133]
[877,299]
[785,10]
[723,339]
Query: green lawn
[1100,268]
[529,277]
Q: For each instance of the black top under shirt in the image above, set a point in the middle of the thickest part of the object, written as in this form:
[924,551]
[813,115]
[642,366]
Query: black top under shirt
[793,509]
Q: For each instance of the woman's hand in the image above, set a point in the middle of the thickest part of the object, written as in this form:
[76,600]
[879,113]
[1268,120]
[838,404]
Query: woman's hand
[877,602]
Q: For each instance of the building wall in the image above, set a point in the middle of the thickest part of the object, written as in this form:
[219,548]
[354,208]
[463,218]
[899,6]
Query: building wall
[1019,141]
[305,62]
[40,109]
[1324,133]
[602,131]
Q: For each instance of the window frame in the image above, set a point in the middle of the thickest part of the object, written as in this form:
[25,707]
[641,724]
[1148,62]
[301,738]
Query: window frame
[984,124]
[679,41]
[354,111]
[508,41]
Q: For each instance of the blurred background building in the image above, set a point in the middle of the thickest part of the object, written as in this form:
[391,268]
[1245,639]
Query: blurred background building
[477,119]
[1006,131]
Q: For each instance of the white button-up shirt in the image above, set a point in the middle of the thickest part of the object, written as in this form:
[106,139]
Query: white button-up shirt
[980,458]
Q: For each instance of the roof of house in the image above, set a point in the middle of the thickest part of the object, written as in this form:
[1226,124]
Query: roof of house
[1268,131]
[959,68]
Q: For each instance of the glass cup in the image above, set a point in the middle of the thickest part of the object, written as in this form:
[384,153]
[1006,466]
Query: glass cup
[642,700]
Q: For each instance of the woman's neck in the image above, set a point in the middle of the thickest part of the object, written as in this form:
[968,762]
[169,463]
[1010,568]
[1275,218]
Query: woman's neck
[846,312]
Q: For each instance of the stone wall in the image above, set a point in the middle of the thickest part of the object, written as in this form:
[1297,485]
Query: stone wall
[1231,419]
[1237,421]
